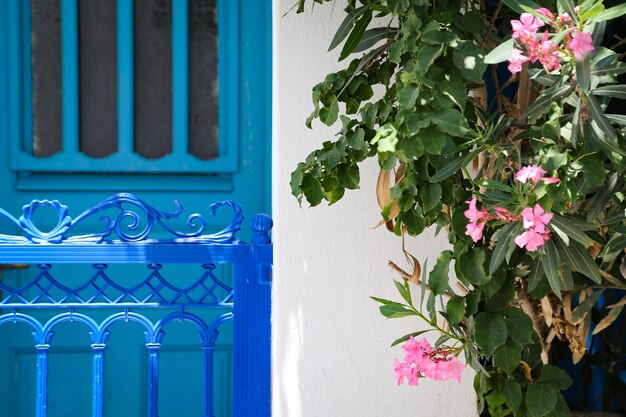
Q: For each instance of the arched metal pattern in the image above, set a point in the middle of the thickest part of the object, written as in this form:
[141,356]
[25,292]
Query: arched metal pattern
[245,301]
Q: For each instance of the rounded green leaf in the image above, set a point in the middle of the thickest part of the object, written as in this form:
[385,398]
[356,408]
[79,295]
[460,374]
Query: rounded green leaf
[490,332]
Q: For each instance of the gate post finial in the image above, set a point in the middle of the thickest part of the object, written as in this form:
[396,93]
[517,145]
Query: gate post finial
[261,224]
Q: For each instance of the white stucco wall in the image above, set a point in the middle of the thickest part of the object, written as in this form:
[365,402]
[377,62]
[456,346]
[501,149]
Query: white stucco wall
[331,354]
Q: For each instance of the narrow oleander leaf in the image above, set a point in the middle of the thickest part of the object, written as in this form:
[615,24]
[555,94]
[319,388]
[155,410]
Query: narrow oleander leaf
[502,247]
[605,134]
[371,37]
[571,230]
[408,336]
[393,311]
[550,262]
[584,262]
[346,26]
[579,313]
[551,95]
[500,53]
[616,90]
[356,35]
[610,13]
[516,5]
[583,72]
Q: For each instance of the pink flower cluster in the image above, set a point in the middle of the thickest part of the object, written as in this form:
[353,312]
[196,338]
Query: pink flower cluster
[542,49]
[535,174]
[536,234]
[478,219]
[421,360]
[534,219]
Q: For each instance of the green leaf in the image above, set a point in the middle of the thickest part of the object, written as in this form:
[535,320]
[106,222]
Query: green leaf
[356,35]
[501,249]
[543,102]
[405,292]
[515,5]
[508,356]
[598,202]
[427,55]
[584,262]
[535,276]
[455,309]
[329,115]
[470,59]
[407,95]
[407,336]
[583,72]
[550,262]
[371,37]
[555,376]
[561,409]
[433,140]
[439,276]
[312,190]
[490,332]
[501,53]
[384,301]
[434,35]
[585,307]
[511,392]
[451,121]
[519,325]
[610,13]
[605,134]
[431,196]
[348,176]
[346,26]
[594,173]
[441,340]
[614,246]
[615,69]
[570,229]
[454,166]
[617,90]
[398,6]
[540,399]
[394,311]
[470,266]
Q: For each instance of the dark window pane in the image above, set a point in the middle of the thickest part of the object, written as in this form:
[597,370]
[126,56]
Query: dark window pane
[153,77]
[98,77]
[203,79]
[46,76]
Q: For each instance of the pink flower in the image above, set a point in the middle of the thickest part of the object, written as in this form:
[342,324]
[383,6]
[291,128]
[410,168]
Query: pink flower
[526,27]
[415,350]
[564,18]
[454,369]
[516,61]
[529,172]
[545,51]
[531,239]
[437,371]
[545,12]
[536,218]
[472,214]
[534,221]
[581,43]
[403,370]
[475,231]
[534,173]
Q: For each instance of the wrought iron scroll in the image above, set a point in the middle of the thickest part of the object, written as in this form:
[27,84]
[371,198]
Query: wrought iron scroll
[128,225]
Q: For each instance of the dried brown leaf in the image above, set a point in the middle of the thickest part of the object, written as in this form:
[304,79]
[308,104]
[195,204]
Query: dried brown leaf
[526,370]
[546,308]
[382,188]
[608,319]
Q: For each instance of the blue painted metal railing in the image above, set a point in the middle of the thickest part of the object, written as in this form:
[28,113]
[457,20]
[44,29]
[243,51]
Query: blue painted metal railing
[125,239]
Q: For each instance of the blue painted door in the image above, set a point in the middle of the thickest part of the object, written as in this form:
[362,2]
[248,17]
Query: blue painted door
[168,99]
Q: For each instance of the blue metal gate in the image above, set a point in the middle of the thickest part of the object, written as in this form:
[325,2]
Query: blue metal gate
[125,238]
